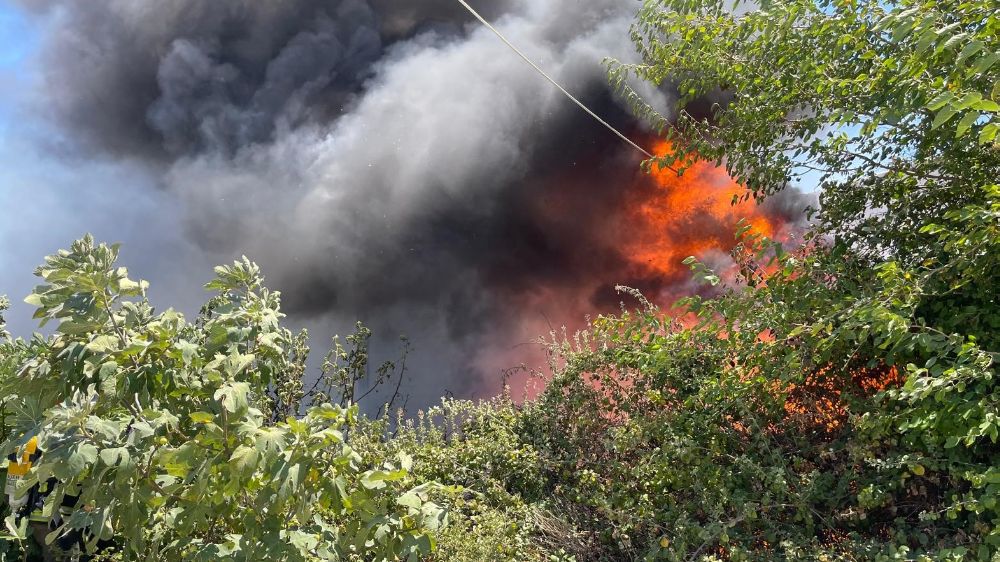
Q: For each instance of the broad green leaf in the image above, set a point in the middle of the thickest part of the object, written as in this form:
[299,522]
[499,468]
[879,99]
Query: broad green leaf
[376,479]
[271,439]
[245,458]
[969,50]
[967,120]
[115,456]
[81,456]
[989,133]
[410,500]
[944,116]
[103,343]
[202,417]
[987,105]
[233,396]
[983,64]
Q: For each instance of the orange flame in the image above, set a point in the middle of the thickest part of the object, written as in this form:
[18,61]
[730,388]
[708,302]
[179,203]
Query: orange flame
[637,234]
[688,215]
[819,402]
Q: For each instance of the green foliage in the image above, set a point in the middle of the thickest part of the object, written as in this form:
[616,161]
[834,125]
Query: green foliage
[796,372]
[480,448]
[892,108]
[837,401]
[4,305]
[776,427]
[346,367]
[167,429]
[11,354]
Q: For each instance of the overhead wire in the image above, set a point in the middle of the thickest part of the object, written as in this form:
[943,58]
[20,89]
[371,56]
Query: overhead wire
[550,79]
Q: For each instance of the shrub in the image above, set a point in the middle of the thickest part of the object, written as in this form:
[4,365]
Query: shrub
[164,428]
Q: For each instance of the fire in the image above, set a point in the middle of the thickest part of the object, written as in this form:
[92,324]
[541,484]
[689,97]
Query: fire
[677,216]
[821,400]
[606,223]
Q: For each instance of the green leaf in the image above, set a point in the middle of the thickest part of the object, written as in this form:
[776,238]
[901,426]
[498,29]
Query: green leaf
[940,101]
[270,439]
[988,133]
[944,116]
[233,396]
[983,64]
[115,456]
[986,105]
[245,458]
[201,417]
[969,100]
[188,350]
[290,478]
[376,479]
[81,456]
[410,500]
[969,50]
[103,343]
[405,461]
[967,120]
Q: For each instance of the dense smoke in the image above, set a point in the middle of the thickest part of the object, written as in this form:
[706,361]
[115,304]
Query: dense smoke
[389,161]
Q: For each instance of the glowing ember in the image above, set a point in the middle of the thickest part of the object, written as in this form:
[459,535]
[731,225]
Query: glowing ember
[822,400]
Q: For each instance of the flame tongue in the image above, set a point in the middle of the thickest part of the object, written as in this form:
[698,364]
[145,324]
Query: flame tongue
[672,217]
[589,235]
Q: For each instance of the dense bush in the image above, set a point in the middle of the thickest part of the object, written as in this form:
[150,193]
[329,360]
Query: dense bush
[482,449]
[166,429]
[871,350]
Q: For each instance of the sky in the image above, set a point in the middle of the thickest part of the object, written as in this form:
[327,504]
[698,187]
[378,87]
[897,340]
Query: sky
[48,198]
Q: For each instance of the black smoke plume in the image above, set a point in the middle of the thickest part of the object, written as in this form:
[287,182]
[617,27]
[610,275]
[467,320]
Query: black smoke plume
[386,160]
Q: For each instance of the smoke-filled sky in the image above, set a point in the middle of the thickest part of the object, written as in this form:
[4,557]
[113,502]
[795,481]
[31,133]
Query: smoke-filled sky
[382,160]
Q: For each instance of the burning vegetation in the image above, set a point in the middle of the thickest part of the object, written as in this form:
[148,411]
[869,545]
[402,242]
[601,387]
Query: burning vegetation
[601,223]
[836,401]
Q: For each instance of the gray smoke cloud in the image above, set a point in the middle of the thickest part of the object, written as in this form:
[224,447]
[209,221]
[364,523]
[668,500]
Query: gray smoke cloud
[392,207]
[160,79]
[382,160]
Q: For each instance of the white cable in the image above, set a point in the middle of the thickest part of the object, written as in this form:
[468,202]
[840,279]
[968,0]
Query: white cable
[549,78]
